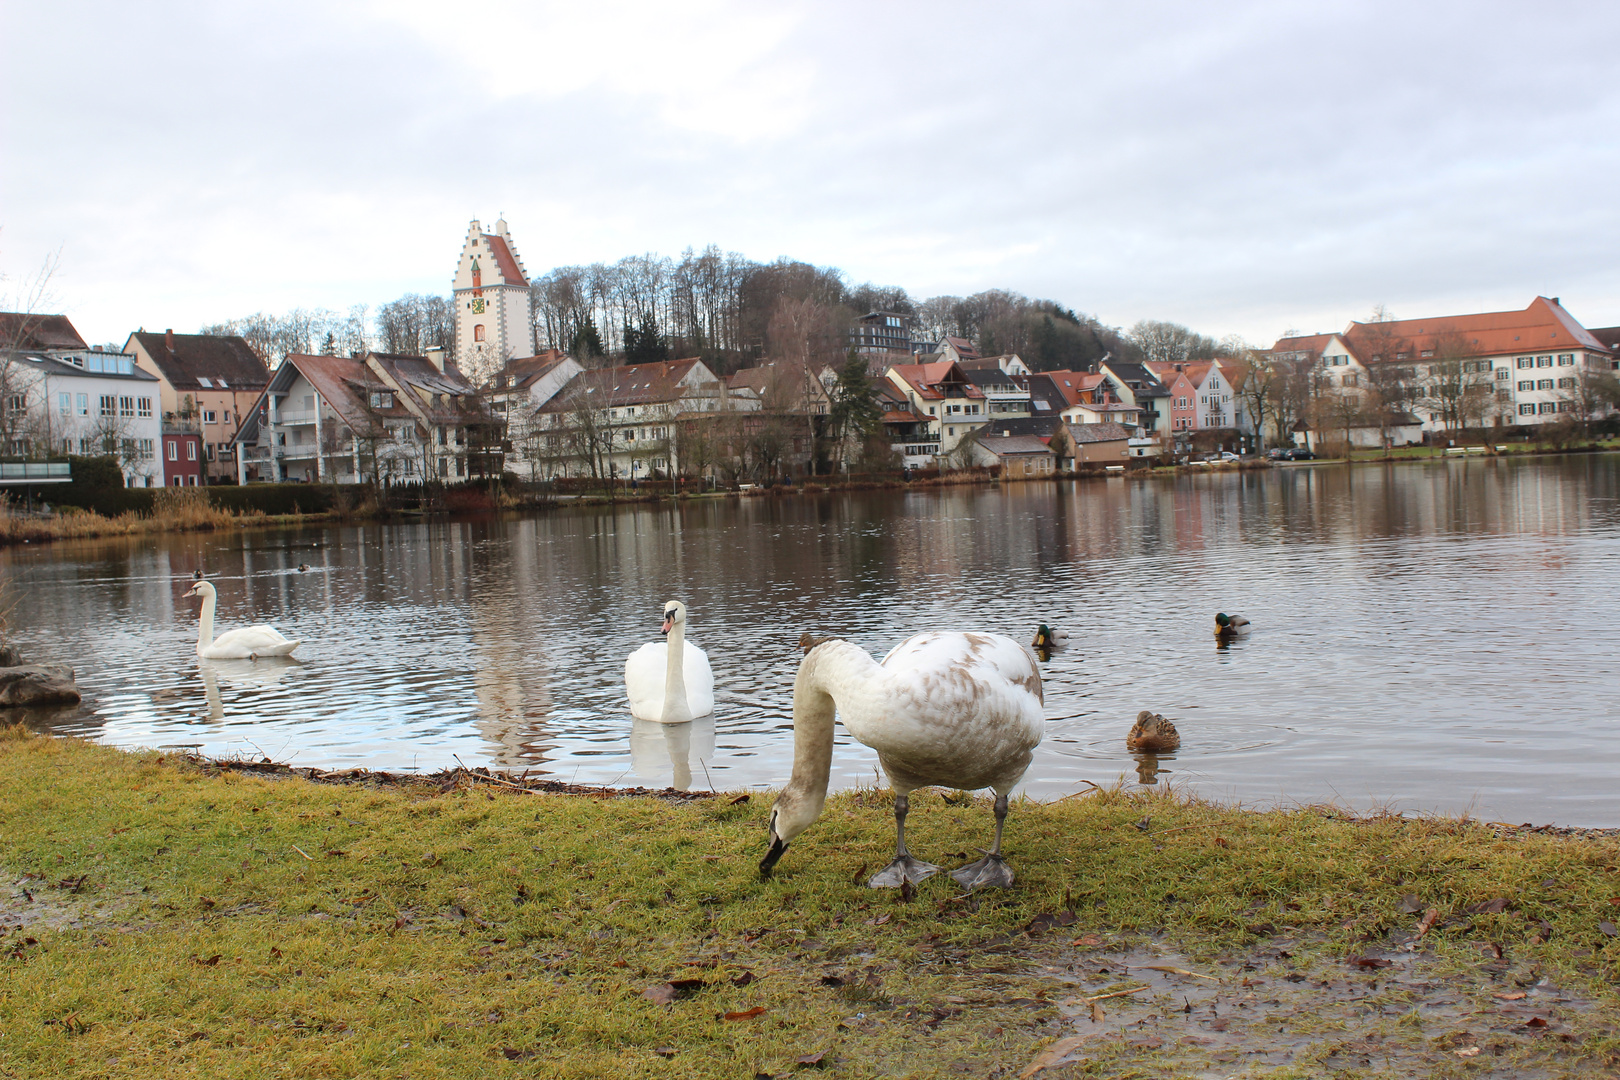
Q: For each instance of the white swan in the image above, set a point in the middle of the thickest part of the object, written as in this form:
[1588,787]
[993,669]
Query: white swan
[947,709]
[670,681]
[248,643]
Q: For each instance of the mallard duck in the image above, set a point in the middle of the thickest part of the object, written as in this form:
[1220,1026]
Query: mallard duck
[196,575]
[303,568]
[1047,638]
[952,710]
[1152,734]
[1230,625]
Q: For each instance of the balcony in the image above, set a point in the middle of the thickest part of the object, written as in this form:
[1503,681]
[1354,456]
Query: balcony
[35,472]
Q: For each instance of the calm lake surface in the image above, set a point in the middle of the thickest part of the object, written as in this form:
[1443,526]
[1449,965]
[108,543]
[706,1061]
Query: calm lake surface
[1427,637]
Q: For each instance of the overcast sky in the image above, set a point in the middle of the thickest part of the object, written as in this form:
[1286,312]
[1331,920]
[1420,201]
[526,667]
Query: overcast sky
[1239,167]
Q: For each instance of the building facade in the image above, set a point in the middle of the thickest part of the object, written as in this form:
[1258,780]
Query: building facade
[207,384]
[491,294]
[87,403]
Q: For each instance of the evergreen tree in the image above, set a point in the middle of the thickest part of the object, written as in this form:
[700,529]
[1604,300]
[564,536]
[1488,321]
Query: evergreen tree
[854,411]
[644,345]
[587,343]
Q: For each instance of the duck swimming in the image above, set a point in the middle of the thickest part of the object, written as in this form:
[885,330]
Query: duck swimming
[1047,638]
[944,709]
[1230,625]
[1152,734]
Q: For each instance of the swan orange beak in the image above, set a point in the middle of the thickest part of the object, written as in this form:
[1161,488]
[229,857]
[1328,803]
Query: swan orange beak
[669,621]
[778,846]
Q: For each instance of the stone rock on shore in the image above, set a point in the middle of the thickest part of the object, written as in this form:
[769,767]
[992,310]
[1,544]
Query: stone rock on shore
[37,684]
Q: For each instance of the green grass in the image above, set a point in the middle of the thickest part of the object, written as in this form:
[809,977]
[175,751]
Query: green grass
[180,920]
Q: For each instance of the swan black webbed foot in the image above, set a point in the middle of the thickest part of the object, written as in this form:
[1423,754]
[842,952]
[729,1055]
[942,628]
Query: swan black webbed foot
[990,872]
[904,868]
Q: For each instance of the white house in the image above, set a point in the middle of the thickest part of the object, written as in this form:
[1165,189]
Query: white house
[83,402]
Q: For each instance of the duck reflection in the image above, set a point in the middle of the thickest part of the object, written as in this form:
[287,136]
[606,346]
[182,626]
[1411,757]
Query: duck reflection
[656,748]
[264,672]
[1148,768]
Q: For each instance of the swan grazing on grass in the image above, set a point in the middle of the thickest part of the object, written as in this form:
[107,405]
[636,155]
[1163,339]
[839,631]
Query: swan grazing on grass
[944,709]
[670,681]
[248,643]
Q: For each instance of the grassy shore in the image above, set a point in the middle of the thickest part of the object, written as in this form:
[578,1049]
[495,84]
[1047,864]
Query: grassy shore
[162,917]
[173,510]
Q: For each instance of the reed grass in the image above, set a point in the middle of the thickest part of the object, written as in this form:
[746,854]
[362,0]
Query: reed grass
[167,918]
[174,509]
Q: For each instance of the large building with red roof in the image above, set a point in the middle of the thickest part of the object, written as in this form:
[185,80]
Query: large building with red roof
[491,294]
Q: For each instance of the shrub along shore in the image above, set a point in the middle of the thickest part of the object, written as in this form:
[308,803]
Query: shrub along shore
[162,916]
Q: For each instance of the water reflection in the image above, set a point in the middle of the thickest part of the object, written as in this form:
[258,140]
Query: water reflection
[1474,595]
[671,750]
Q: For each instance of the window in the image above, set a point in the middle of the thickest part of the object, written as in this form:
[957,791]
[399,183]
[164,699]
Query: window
[126,406]
[1566,406]
[17,403]
[1400,356]
[174,450]
[224,451]
[191,450]
[952,431]
[206,384]
[1566,383]
[85,449]
[1547,407]
[1504,395]
[1566,359]
[478,332]
[1424,354]
[1527,384]
[382,399]
[930,410]
[1526,361]
[144,406]
[208,451]
[147,449]
[109,405]
[221,384]
[1503,373]
[309,402]
[1544,361]
[64,404]
[1527,410]
[1544,384]
[208,416]
[84,404]
[227,416]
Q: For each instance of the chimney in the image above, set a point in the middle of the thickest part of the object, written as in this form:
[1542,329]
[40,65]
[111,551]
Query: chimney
[1556,303]
[168,339]
[435,357]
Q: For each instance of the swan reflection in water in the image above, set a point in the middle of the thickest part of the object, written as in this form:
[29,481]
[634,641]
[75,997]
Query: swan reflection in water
[655,748]
[262,673]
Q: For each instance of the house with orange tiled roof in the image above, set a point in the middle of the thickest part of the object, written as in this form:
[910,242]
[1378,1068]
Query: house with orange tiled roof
[379,417]
[940,391]
[622,422]
[1084,397]
[1504,368]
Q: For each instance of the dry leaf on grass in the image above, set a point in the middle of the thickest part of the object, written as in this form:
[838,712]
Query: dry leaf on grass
[1607,928]
[1428,921]
[1372,963]
[1515,996]
[662,994]
[746,1014]
[1056,1054]
[810,1059]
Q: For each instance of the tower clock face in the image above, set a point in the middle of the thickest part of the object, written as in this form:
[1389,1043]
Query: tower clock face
[478,305]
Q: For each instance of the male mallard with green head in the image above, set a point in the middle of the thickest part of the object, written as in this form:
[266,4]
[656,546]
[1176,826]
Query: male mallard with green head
[1230,625]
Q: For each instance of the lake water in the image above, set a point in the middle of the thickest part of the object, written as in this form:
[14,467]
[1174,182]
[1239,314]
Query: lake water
[1427,636]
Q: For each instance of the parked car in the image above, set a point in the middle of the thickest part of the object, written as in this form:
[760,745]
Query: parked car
[1277,453]
[1227,455]
[1300,453]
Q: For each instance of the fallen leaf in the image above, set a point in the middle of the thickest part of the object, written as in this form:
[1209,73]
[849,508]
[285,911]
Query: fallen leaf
[1089,941]
[908,891]
[664,1051]
[686,986]
[1515,996]
[1410,904]
[212,961]
[1053,1055]
[1047,920]
[1535,1022]
[1608,928]
[1372,962]
[1177,971]
[860,875]
[336,854]
[744,979]
[1428,921]
[1490,907]
[746,1014]
[275,953]
[739,799]
[1097,1013]
[1467,1052]
[831,980]
[662,994]
[512,1054]
[810,1059]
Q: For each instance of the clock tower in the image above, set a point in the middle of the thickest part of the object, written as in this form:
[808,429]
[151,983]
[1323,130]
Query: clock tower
[491,294]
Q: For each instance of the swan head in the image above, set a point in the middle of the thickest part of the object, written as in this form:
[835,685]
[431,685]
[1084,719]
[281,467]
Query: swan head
[791,815]
[674,612]
[203,589]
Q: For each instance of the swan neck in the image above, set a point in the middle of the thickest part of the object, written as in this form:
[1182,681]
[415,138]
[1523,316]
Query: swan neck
[834,671]
[676,709]
[205,624]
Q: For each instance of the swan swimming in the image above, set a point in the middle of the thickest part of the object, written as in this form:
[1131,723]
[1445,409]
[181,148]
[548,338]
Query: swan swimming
[670,681]
[947,709]
[248,643]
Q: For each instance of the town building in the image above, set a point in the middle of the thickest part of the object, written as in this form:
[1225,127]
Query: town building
[379,417]
[491,294]
[883,334]
[86,403]
[913,436]
[943,393]
[1495,368]
[207,382]
[1135,385]
[1000,380]
[516,395]
[182,457]
[1016,457]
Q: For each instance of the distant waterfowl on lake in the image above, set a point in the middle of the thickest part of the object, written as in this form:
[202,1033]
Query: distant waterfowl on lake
[1152,734]
[248,643]
[1230,625]
[670,681]
[943,709]
[303,568]
[197,575]
[1047,638]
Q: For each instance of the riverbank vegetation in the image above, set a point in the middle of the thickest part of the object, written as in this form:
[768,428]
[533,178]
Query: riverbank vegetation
[162,916]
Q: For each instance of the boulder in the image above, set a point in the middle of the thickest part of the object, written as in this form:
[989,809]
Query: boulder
[9,656]
[37,684]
